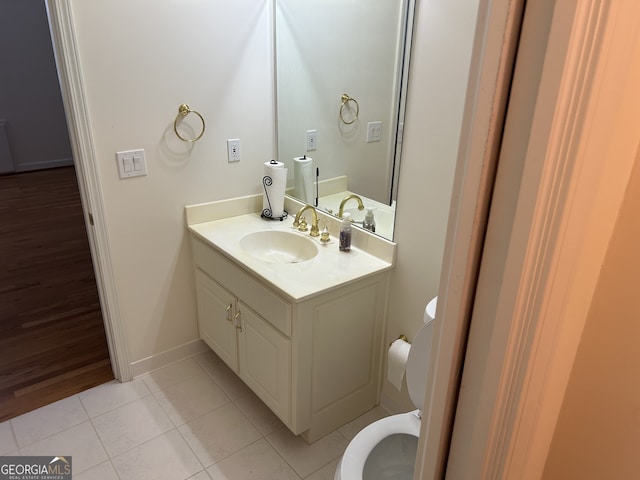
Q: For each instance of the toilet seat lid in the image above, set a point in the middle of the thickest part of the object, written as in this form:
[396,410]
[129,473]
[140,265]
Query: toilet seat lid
[418,364]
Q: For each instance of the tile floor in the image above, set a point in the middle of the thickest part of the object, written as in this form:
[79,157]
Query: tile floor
[194,420]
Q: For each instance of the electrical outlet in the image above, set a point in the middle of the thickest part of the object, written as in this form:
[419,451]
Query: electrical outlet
[233,150]
[312,140]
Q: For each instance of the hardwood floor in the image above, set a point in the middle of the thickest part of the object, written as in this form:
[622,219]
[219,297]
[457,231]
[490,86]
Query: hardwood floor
[52,340]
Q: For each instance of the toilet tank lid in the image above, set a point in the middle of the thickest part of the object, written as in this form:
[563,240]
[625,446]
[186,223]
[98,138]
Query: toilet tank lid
[431,309]
[418,364]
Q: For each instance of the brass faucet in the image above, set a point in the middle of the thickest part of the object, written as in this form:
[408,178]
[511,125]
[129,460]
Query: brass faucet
[346,199]
[315,231]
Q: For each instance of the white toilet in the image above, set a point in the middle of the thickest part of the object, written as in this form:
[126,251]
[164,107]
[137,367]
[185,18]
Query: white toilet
[386,449]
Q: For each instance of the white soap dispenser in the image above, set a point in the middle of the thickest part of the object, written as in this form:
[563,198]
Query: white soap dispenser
[369,223]
[345,233]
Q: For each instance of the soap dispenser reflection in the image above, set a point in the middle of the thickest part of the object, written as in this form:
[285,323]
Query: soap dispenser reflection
[369,222]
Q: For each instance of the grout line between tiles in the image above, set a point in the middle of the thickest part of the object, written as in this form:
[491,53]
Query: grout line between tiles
[154,394]
[150,393]
[52,434]
[101,414]
[13,434]
[193,452]
[93,427]
[154,438]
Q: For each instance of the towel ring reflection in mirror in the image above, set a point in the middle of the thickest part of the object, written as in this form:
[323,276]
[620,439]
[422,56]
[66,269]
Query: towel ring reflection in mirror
[183,111]
[346,99]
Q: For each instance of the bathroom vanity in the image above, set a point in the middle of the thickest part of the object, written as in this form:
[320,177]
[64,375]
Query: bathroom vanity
[304,333]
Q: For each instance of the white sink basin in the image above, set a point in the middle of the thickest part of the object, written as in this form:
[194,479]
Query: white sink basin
[277,246]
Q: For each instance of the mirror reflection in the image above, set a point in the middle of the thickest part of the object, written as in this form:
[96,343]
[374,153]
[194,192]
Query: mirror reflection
[340,71]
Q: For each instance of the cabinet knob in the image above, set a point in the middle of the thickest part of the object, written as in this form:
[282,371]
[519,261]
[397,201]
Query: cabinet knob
[228,313]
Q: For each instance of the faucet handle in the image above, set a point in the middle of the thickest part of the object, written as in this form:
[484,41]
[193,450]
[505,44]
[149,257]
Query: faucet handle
[324,235]
[302,226]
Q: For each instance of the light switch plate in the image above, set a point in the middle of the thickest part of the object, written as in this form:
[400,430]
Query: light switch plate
[374,132]
[131,163]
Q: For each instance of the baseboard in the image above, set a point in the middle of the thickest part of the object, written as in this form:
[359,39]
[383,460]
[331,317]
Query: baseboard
[44,164]
[159,360]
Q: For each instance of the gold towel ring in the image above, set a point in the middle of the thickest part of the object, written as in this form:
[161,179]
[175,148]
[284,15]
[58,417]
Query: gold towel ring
[183,111]
[345,100]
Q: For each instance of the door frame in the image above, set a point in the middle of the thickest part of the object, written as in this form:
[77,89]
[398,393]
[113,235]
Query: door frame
[491,70]
[80,135]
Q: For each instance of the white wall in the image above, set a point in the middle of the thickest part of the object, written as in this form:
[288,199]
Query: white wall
[30,99]
[139,62]
[326,49]
[437,87]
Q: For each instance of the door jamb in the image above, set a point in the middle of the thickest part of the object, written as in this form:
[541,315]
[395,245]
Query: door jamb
[526,325]
[80,134]
[495,43]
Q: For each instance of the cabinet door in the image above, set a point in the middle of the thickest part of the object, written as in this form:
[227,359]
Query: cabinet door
[215,319]
[265,362]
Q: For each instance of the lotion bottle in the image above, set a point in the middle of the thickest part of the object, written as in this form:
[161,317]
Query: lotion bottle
[369,223]
[345,233]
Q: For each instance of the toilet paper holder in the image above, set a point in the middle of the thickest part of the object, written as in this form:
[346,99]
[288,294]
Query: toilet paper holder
[268,212]
[401,337]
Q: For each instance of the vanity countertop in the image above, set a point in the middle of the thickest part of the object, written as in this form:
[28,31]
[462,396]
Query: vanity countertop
[328,270]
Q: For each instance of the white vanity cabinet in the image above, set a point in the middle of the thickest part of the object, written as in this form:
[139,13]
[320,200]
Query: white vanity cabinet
[246,342]
[315,362]
[216,317]
[265,361]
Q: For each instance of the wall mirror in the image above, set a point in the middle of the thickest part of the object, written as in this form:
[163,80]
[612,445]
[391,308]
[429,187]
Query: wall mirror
[341,74]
